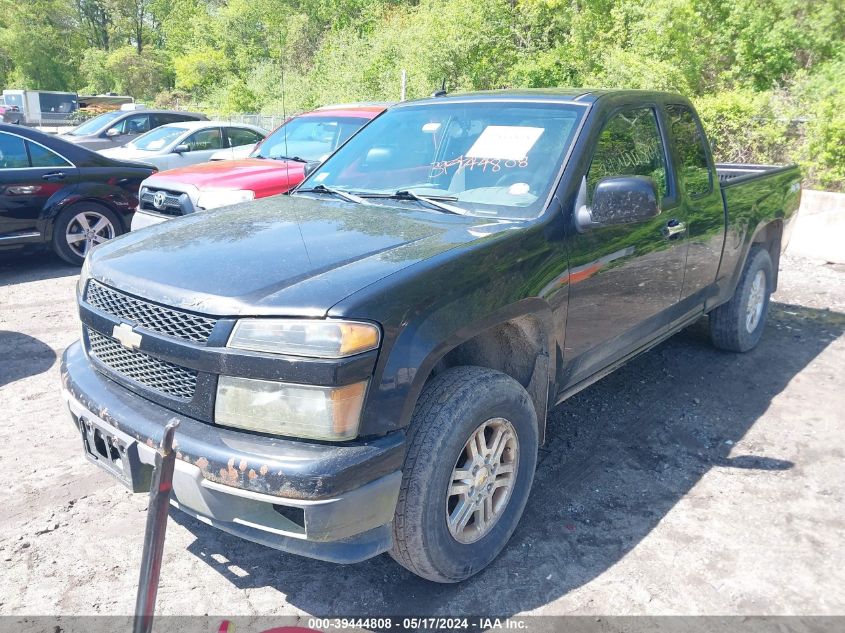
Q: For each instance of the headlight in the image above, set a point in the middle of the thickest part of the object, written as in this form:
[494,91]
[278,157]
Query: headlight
[223,198]
[320,413]
[305,337]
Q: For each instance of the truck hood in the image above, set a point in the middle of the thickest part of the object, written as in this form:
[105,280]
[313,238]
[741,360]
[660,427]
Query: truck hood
[286,256]
[253,174]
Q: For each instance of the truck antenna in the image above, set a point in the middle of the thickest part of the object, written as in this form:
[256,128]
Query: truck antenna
[284,110]
[442,91]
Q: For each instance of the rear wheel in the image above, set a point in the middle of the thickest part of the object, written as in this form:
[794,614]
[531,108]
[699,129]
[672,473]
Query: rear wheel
[738,325]
[467,475]
[81,227]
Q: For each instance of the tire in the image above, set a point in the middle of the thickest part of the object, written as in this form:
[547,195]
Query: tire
[451,409]
[738,325]
[69,222]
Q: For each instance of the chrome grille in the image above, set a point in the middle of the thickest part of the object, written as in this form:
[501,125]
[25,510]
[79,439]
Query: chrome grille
[172,204]
[148,315]
[158,375]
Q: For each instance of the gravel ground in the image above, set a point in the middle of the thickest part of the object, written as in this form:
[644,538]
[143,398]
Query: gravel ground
[691,481]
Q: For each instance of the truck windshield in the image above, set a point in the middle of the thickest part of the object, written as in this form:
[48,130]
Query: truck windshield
[309,138]
[489,159]
[94,125]
[157,139]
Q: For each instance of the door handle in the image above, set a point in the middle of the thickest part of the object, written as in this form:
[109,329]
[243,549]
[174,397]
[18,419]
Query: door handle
[56,175]
[673,227]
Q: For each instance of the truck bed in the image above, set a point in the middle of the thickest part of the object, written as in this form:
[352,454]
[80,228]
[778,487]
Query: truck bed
[754,195]
[730,173]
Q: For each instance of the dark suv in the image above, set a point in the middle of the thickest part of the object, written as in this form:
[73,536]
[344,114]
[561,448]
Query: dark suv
[113,129]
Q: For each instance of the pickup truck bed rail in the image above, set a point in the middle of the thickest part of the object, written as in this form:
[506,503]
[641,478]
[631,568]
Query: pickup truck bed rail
[730,173]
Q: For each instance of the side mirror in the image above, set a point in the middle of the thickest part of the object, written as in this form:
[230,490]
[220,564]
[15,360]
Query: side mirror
[621,200]
[112,132]
[181,149]
[309,168]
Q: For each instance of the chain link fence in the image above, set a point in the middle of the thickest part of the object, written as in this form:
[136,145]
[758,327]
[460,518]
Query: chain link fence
[267,121]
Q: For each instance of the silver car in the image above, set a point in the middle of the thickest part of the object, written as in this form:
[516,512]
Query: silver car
[118,127]
[188,143]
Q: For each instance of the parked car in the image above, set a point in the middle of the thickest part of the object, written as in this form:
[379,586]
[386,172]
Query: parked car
[277,164]
[188,143]
[119,127]
[367,364]
[57,194]
[10,113]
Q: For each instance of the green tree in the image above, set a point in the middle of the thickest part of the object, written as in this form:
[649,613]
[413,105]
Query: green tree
[140,75]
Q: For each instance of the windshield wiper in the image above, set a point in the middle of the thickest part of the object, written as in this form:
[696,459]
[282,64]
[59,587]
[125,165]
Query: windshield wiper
[349,197]
[295,159]
[432,201]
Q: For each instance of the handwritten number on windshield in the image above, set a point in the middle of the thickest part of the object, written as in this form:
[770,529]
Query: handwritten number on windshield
[470,162]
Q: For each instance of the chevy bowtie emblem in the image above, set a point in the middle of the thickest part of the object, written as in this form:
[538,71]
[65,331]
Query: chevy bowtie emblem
[128,338]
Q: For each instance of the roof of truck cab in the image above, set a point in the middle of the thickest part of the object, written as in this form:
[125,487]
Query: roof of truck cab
[358,110]
[581,95]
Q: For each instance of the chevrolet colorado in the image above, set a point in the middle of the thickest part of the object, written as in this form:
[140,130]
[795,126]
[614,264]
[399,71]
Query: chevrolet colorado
[366,365]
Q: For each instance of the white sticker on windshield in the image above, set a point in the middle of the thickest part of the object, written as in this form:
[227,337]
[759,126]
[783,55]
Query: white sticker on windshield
[505,142]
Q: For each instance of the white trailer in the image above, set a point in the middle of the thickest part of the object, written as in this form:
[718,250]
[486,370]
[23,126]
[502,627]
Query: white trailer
[42,107]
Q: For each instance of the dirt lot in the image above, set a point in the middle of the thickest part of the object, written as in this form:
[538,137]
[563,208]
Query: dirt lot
[689,482]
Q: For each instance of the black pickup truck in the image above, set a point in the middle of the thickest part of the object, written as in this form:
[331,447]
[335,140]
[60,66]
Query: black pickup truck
[366,366]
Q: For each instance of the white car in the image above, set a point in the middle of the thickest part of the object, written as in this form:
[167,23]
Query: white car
[188,143]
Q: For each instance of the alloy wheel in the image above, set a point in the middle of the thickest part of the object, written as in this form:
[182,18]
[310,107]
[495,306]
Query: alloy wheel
[482,480]
[86,230]
[756,302]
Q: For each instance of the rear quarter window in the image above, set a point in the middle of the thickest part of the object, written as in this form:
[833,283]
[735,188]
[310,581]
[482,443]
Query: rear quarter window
[12,152]
[690,147]
[43,157]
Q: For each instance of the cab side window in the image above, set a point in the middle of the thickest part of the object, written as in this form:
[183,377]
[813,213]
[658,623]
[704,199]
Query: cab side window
[691,150]
[164,119]
[205,140]
[630,145]
[12,152]
[242,136]
[135,124]
[43,157]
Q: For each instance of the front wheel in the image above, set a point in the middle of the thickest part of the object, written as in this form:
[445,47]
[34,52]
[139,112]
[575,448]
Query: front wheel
[738,325]
[468,472]
[81,227]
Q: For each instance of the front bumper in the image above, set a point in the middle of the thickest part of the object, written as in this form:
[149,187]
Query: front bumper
[142,219]
[323,501]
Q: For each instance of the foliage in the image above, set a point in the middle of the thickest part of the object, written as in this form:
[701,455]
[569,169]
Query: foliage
[83,114]
[752,66]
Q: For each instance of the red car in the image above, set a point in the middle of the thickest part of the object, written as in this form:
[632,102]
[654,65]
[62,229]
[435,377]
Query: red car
[277,164]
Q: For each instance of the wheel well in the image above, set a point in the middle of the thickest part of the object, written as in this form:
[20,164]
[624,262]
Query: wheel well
[50,220]
[518,348]
[770,237]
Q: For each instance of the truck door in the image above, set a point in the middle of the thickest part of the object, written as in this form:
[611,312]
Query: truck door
[624,278]
[702,207]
